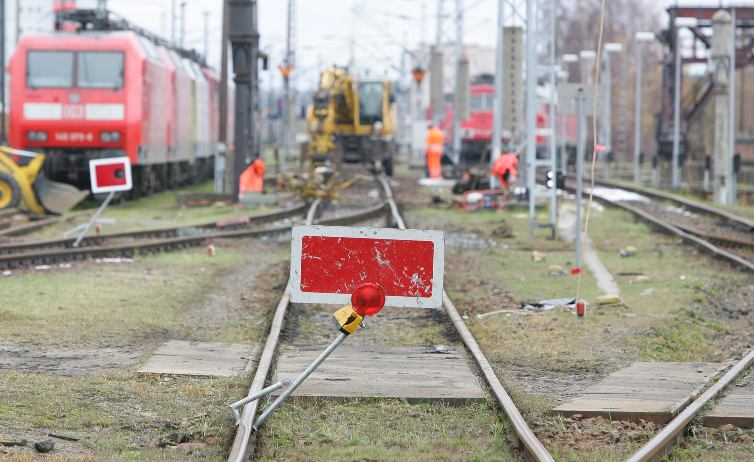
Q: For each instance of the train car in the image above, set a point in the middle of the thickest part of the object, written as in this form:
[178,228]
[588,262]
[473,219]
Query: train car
[91,94]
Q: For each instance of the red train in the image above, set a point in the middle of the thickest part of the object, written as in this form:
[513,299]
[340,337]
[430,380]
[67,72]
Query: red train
[90,94]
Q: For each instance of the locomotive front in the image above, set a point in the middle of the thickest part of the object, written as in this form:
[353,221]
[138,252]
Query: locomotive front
[69,99]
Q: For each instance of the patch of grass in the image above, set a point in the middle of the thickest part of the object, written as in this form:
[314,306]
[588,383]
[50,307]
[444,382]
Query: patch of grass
[123,416]
[687,336]
[124,301]
[310,429]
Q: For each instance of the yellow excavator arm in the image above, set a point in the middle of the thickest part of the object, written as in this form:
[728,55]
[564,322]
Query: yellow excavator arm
[26,184]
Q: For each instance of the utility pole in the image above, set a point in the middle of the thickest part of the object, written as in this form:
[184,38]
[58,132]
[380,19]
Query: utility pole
[607,117]
[183,24]
[223,123]
[286,70]
[497,108]
[457,100]
[206,34]
[732,184]
[222,138]
[722,157]
[244,39]
[531,109]
[18,22]
[173,16]
[639,38]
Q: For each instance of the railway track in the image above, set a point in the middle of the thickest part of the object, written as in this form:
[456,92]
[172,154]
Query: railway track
[663,441]
[243,444]
[47,252]
[733,234]
[717,232]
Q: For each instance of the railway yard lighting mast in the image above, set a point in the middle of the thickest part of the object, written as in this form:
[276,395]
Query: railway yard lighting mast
[607,119]
[640,38]
[678,23]
[183,25]
[586,57]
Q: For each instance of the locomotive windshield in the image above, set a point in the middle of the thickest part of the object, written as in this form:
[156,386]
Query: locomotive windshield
[99,69]
[370,102]
[481,102]
[93,69]
[49,69]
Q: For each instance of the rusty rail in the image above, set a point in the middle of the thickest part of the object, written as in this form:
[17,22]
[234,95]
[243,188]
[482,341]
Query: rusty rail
[129,249]
[686,237]
[177,231]
[696,206]
[531,444]
[655,447]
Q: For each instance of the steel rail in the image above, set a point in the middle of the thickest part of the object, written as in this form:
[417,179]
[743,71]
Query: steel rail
[688,238]
[654,448]
[533,447]
[175,231]
[241,449]
[696,206]
[55,255]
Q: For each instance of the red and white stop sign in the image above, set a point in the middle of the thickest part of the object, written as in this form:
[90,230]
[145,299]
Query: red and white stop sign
[111,174]
[329,262]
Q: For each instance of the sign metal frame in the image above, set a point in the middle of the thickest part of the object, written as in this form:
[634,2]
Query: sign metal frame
[436,237]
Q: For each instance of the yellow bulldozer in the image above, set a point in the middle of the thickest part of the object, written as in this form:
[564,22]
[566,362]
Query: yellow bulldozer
[352,120]
[26,185]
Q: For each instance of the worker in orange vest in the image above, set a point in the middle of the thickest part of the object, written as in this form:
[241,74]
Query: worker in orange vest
[252,179]
[435,146]
[505,168]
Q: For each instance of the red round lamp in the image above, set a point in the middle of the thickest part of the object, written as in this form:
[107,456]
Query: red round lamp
[368,299]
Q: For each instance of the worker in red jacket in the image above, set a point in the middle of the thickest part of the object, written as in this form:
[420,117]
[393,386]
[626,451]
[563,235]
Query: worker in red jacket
[505,168]
[252,179]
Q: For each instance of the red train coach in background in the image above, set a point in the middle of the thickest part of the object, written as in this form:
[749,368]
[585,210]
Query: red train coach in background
[91,94]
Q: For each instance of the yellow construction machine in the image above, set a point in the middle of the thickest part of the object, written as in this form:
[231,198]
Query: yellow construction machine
[27,185]
[352,120]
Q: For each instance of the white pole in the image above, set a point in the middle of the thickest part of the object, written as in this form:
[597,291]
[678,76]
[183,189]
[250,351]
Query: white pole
[732,112]
[579,170]
[497,109]
[531,109]
[676,110]
[607,119]
[553,124]
[457,98]
[637,115]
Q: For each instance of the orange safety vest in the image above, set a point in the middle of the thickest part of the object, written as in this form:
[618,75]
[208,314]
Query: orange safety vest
[507,163]
[435,141]
[252,179]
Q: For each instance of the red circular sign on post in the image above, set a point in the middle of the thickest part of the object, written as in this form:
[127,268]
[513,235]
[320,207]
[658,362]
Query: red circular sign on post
[368,299]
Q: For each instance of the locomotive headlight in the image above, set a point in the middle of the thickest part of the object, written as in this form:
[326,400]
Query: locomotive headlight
[109,137]
[37,136]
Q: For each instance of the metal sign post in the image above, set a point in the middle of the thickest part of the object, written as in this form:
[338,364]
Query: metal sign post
[580,98]
[367,300]
[109,175]
[93,220]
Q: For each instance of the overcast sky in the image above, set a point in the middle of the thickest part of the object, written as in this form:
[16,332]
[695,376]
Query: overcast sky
[324,27]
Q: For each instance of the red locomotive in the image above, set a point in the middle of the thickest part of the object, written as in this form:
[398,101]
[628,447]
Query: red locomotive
[102,93]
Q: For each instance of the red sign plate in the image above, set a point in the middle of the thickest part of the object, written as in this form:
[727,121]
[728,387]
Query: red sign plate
[110,175]
[329,262]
